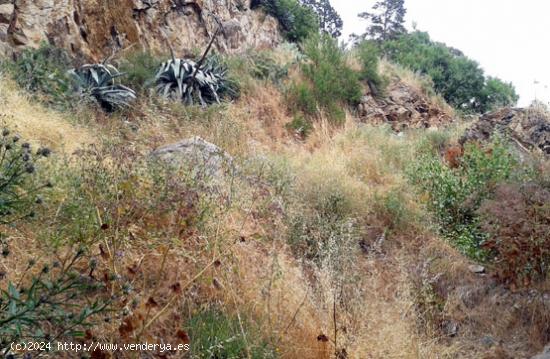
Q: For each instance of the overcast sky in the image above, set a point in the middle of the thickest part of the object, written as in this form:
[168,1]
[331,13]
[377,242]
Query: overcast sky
[509,38]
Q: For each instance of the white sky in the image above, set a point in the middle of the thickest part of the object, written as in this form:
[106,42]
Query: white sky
[509,38]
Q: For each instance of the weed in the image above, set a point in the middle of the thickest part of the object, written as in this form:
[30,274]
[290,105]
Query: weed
[216,334]
[43,71]
[454,194]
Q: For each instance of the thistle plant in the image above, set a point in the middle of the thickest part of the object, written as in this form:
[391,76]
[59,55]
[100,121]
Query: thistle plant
[19,192]
[191,83]
[98,82]
[50,306]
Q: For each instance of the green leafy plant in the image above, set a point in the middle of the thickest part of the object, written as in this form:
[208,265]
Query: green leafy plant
[49,307]
[369,54]
[42,71]
[215,334]
[300,126]
[138,68]
[460,80]
[98,82]
[297,21]
[182,80]
[454,194]
[330,82]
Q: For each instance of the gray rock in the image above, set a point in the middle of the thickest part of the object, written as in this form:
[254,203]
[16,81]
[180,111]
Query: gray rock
[545,354]
[529,128]
[6,12]
[207,160]
[477,269]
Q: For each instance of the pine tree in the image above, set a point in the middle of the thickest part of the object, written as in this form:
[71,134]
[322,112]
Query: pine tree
[386,20]
[329,20]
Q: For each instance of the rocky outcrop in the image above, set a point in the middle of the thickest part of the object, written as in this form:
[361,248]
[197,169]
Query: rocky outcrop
[94,28]
[403,107]
[529,128]
[208,161]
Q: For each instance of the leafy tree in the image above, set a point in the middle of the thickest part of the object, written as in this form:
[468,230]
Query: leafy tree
[330,21]
[457,78]
[386,20]
[497,93]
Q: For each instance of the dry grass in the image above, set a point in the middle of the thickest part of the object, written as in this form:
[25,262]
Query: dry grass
[239,258]
[38,124]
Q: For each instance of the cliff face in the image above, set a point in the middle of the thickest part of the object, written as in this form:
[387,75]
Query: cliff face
[93,28]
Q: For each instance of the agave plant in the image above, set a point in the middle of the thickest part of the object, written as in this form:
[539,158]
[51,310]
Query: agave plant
[98,82]
[186,81]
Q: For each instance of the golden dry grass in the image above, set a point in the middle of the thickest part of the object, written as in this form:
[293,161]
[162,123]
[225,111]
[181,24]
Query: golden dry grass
[240,259]
[38,124]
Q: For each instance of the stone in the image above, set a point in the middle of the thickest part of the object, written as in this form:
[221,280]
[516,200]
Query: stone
[545,354]
[207,160]
[529,128]
[6,12]
[450,328]
[477,269]
[403,107]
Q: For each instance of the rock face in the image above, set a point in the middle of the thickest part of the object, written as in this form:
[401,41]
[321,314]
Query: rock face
[404,107]
[93,28]
[206,159]
[529,127]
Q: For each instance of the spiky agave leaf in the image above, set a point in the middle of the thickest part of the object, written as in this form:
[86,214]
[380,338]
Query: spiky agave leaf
[98,82]
[179,79]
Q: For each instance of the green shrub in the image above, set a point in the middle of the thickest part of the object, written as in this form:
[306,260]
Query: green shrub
[263,66]
[330,82]
[454,194]
[43,71]
[369,54]
[300,126]
[392,208]
[139,69]
[460,80]
[297,21]
[215,334]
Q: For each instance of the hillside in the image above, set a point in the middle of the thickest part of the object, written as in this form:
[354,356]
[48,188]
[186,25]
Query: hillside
[332,206]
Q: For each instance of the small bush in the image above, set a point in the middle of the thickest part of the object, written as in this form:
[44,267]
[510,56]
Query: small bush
[300,126]
[43,71]
[369,54]
[454,194]
[264,67]
[517,221]
[330,82]
[297,21]
[139,69]
[215,334]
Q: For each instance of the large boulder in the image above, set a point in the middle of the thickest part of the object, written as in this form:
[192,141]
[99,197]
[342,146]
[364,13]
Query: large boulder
[207,161]
[529,127]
